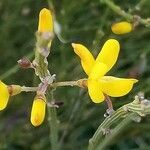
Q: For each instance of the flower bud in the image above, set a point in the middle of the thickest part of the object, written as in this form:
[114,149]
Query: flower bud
[4,95]
[121,27]
[45,21]
[24,63]
[38,110]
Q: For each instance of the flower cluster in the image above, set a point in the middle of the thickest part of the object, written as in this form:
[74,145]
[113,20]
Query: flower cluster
[39,102]
[98,84]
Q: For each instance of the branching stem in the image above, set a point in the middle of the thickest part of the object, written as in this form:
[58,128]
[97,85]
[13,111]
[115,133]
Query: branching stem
[117,9]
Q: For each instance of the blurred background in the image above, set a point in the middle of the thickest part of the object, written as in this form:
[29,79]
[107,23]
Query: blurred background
[87,22]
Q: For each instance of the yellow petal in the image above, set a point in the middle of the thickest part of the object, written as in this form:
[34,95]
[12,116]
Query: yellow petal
[4,95]
[116,87]
[38,112]
[109,53]
[121,27]
[99,69]
[45,21]
[94,89]
[87,59]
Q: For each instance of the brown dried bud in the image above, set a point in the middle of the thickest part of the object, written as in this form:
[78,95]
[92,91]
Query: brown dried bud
[14,89]
[24,63]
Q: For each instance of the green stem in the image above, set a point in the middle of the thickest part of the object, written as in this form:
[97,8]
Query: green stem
[53,123]
[102,145]
[117,9]
[79,83]
[140,4]
[29,89]
[137,107]
[42,71]
[102,129]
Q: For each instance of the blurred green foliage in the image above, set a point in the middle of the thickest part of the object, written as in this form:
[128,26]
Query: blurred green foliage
[87,22]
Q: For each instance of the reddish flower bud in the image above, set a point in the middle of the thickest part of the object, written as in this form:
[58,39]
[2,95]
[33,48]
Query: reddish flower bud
[24,63]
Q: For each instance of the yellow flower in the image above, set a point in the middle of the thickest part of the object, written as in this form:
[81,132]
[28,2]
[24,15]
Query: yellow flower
[121,27]
[4,95]
[99,84]
[6,91]
[38,111]
[45,21]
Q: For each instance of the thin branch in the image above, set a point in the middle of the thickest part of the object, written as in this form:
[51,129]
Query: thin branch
[65,83]
[28,89]
[109,102]
[117,9]
[79,83]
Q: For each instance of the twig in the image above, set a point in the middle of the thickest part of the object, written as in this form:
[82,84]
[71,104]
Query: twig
[109,102]
[117,9]
[65,83]
[140,4]
[79,83]
[28,89]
